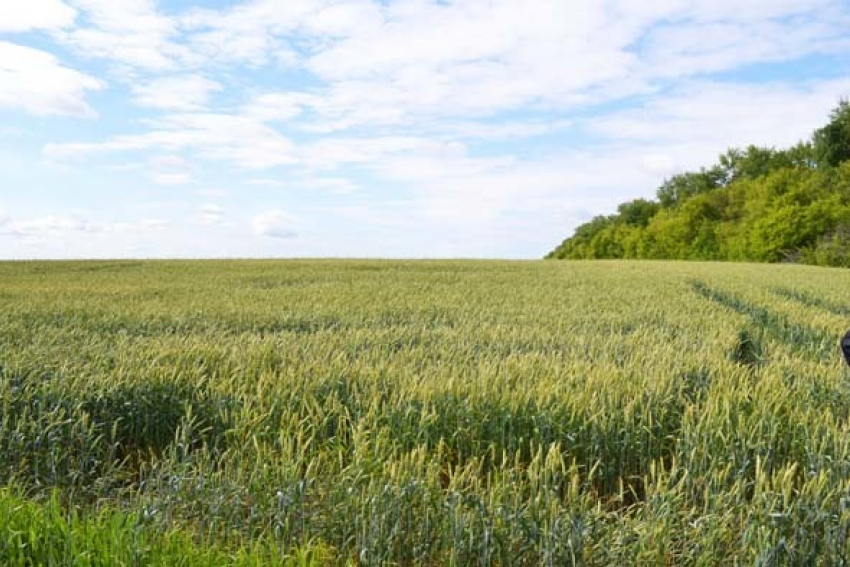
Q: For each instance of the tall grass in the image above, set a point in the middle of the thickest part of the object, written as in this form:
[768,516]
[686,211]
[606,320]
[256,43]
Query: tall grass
[493,413]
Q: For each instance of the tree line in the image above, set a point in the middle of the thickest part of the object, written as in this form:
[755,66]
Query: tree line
[755,204]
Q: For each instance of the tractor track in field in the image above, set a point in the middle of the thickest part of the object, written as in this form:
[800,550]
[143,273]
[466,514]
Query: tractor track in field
[800,339]
[811,301]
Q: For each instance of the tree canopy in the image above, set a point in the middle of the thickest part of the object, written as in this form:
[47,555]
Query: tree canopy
[755,204]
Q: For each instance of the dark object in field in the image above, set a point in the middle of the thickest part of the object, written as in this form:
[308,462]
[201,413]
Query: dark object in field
[845,347]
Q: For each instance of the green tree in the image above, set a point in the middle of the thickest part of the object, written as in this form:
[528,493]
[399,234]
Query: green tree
[638,212]
[832,142]
[681,187]
[752,163]
[759,204]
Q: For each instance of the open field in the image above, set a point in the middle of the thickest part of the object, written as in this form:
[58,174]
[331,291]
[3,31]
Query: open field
[423,413]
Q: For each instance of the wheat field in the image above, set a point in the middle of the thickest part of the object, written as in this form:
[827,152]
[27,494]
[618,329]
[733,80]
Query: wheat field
[423,413]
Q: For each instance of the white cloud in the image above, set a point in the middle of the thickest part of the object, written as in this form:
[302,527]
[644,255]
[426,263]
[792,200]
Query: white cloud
[155,224]
[251,33]
[178,93]
[53,225]
[469,120]
[332,185]
[36,82]
[636,149]
[548,195]
[693,124]
[211,193]
[416,64]
[80,235]
[12,132]
[732,10]
[274,224]
[211,215]
[169,170]
[339,19]
[420,59]
[502,130]
[22,16]
[243,141]
[131,33]
[265,182]
[689,49]
[403,62]
[279,106]
[330,153]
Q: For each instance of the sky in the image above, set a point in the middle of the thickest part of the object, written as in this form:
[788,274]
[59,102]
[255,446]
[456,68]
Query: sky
[382,128]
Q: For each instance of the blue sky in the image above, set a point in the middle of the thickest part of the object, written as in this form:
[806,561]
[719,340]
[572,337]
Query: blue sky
[376,128]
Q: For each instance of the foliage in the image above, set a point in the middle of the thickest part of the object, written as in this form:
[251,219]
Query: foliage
[680,188]
[758,204]
[832,142]
[50,533]
[348,412]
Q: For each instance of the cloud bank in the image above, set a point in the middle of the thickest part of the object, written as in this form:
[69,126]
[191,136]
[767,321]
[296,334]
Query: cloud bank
[421,128]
